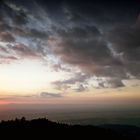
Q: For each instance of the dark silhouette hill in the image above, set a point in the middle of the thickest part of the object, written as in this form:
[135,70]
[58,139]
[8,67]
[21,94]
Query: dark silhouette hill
[45,129]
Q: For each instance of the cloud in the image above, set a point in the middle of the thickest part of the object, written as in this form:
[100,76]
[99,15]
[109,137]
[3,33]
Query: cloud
[7,59]
[88,51]
[4,26]
[2,49]
[125,40]
[16,14]
[24,50]
[60,67]
[103,45]
[68,83]
[50,95]
[94,37]
[110,83]
[81,88]
[21,29]
[38,34]
[6,37]
[101,13]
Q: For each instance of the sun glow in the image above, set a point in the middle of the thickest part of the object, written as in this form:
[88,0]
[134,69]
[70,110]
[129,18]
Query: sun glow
[26,77]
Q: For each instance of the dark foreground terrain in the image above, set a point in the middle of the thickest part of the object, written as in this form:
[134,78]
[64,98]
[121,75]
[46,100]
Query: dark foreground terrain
[45,129]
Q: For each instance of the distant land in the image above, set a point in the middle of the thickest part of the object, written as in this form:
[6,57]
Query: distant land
[44,128]
[73,114]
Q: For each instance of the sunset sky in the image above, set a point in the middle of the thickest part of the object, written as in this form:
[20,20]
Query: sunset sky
[65,52]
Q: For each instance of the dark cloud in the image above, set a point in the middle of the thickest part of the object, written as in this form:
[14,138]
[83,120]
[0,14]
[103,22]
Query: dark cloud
[125,40]
[4,27]
[89,32]
[66,84]
[21,27]
[50,95]
[59,67]
[6,37]
[104,14]
[85,42]
[24,50]
[38,34]
[16,14]
[87,49]
[110,83]
[81,88]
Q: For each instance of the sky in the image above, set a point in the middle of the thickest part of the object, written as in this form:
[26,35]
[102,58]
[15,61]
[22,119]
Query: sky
[64,52]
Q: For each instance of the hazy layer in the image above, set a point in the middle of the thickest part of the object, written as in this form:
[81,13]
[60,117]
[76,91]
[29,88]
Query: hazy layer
[75,114]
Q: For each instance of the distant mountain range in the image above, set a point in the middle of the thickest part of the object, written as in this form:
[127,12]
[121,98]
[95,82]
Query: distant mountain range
[44,129]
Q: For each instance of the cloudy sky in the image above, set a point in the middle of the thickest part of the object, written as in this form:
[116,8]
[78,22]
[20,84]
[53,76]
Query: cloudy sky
[65,52]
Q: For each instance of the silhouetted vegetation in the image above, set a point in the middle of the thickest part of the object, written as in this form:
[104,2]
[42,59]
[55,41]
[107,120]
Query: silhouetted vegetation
[45,129]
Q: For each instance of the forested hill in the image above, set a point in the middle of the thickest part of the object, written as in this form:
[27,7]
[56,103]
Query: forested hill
[45,129]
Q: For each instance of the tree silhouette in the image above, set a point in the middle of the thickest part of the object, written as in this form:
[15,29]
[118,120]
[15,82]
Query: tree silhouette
[44,128]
